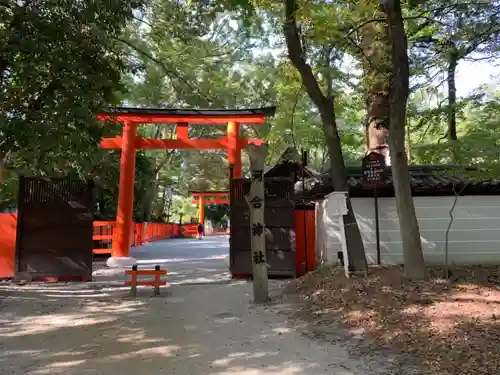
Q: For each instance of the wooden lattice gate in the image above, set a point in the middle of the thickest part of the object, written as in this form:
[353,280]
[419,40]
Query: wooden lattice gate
[54,229]
[280,225]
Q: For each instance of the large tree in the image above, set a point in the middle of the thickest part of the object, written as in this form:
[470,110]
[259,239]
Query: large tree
[324,101]
[59,66]
[192,55]
[399,92]
[450,33]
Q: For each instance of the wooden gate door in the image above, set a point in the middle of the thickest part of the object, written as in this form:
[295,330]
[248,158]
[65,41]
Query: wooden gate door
[54,229]
[280,228]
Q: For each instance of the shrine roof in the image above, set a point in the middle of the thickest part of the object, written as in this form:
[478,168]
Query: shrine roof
[211,115]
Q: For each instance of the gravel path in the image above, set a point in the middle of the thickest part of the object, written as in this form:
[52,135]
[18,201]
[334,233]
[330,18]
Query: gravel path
[211,329]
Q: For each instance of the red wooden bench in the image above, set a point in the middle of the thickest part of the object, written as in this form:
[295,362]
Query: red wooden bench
[156,282]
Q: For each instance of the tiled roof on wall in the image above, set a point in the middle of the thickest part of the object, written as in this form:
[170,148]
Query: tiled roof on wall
[426,180]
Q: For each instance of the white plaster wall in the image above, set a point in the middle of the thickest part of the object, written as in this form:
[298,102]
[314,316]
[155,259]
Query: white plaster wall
[474,237]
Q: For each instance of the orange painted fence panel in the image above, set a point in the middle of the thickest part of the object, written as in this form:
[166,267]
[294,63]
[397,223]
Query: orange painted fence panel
[103,232]
[143,233]
[148,232]
[305,241]
[8,228]
[189,230]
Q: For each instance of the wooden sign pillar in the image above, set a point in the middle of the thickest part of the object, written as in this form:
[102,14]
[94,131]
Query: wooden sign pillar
[256,202]
[373,165]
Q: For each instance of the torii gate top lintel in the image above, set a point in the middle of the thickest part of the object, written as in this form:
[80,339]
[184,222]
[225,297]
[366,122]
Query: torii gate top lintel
[129,142]
[198,116]
[209,193]
[232,142]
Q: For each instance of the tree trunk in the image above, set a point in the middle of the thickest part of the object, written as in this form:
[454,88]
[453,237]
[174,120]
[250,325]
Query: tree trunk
[452,97]
[167,199]
[338,173]
[325,105]
[408,143]
[2,167]
[152,191]
[147,200]
[409,229]
[147,203]
[377,74]
[256,202]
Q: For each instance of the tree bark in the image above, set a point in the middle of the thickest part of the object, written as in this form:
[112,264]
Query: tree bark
[2,167]
[378,71]
[147,203]
[452,97]
[409,229]
[152,191]
[256,202]
[325,105]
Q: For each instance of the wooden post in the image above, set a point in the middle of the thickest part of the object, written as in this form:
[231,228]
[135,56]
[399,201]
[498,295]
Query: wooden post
[256,202]
[133,285]
[156,288]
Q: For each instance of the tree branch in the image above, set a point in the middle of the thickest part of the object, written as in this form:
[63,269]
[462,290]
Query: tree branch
[164,161]
[476,59]
[360,50]
[165,69]
[142,21]
[216,29]
[292,119]
[295,53]
[229,52]
[5,4]
[351,29]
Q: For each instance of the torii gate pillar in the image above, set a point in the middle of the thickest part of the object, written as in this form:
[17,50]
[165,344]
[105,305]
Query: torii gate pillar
[234,149]
[201,212]
[124,212]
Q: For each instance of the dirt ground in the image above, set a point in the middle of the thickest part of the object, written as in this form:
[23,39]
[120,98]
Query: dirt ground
[448,326]
[213,329]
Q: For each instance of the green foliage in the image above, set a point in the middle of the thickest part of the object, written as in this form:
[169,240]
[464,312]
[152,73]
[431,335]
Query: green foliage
[81,57]
[183,210]
[59,66]
[217,214]
[479,142]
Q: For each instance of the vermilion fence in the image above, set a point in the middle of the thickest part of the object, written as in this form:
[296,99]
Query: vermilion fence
[103,237]
[103,233]
[148,232]
[142,233]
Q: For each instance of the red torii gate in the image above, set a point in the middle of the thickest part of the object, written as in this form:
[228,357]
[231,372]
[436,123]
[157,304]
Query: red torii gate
[129,142]
[203,198]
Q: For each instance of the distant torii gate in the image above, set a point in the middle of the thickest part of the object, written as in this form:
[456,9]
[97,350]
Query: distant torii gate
[203,198]
[129,142]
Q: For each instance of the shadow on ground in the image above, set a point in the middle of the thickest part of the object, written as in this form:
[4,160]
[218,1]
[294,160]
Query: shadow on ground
[203,324]
[74,329]
[448,326]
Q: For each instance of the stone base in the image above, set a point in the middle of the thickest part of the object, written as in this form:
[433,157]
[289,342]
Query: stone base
[121,262]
